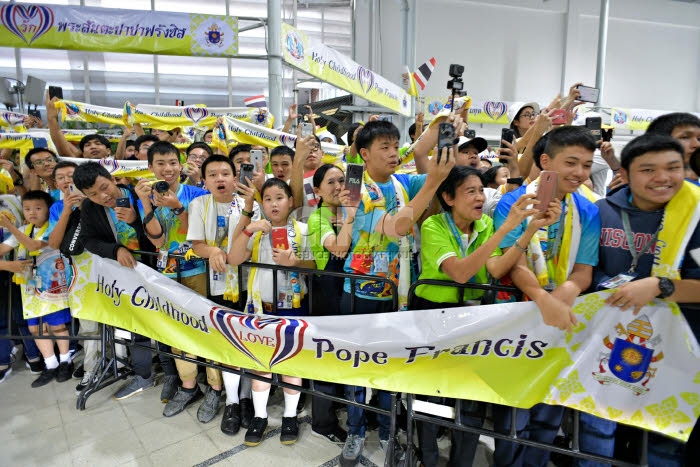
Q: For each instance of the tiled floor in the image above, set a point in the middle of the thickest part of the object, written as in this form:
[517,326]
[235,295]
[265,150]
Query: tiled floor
[42,427]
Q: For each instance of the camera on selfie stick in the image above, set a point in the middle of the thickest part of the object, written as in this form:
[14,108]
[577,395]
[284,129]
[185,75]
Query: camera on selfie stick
[456,84]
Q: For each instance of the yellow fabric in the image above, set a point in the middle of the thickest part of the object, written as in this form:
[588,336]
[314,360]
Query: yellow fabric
[682,214]
[231,292]
[20,278]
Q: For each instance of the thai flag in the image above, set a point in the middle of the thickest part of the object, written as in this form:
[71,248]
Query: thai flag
[423,74]
[255,101]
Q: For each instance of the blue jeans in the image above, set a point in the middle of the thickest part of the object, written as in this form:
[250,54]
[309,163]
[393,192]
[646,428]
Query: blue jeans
[356,415]
[596,436]
[540,423]
[30,349]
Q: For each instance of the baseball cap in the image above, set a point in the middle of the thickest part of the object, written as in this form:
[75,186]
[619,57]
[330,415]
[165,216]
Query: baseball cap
[479,143]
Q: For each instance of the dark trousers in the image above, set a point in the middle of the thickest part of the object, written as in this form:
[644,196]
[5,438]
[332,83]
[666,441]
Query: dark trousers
[323,417]
[364,306]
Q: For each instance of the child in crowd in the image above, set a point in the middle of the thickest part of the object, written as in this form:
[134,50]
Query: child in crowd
[289,299]
[30,241]
[215,220]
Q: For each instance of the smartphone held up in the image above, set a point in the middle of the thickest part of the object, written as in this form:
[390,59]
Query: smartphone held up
[546,189]
[446,139]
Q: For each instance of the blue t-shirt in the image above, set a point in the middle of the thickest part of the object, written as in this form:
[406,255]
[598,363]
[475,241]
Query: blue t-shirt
[360,261]
[54,214]
[590,226]
[176,235]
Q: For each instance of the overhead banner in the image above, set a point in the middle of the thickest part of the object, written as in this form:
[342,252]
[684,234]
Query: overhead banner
[13,121]
[635,119]
[166,117]
[117,168]
[238,131]
[117,30]
[73,111]
[27,140]
[326,63]
[640,370]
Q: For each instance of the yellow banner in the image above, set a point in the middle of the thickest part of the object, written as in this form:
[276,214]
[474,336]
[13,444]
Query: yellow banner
[166,117]
[501,353]
[13,120]
[326,63]
[118,30]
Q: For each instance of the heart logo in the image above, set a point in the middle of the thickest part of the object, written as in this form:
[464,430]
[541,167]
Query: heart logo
[287,334]
[366,79]
[495,110]
[288,140]
[72,109]
[196,113]
[27,22]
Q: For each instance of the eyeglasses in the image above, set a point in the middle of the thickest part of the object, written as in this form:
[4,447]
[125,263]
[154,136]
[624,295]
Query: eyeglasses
[528,115]
[197,157]
[315,148]
[63,178]
[42,162]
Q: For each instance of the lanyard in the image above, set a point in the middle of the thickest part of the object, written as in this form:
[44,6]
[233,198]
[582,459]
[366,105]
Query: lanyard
[636,254]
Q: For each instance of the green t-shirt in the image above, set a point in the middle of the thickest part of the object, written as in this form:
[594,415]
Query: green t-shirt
[320,227]
[438,244]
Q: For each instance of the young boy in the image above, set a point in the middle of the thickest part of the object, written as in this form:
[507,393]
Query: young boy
[30,241]
[382,245]
[281,160]
[653,167]
[556,267]
[685,128]
[114,232]
[165,220]
[215,220]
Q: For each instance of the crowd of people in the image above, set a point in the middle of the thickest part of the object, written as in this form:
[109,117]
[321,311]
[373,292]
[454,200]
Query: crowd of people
[460,218]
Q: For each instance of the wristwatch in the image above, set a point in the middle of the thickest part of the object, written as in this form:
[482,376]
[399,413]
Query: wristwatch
[666,287]
[178,211]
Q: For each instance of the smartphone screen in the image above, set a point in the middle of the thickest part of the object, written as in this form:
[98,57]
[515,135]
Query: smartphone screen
[279,238]
[588,94]
[547,189]
[594,124]
[123,202]
[256,159]
[353,180]
[446,138]
[508,135]
[55,91]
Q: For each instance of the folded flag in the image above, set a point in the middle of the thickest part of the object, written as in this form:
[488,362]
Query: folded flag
[424,71]
[410,83]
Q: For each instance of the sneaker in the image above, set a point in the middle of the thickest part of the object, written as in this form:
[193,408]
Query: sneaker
[87,379]
[5,373]
[136,385]
[255,432]
[290,430]
[352,450]
[79,372]
[75,353]
[181,400]
[13,354]
[210,406]
[301,403]
[35,367]
[45,377]
[65,370]
[170,385]
[246,412]
[231,421]
[337,436]
[383,444]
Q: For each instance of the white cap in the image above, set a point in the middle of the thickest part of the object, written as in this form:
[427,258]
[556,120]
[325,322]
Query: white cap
[516,107]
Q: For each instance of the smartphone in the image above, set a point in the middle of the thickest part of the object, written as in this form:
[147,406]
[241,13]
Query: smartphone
[446,138]
[72,189]
[607,134]
[55,91]
[547,189]
[508,135]
[353,180]
[123,203]
[386,118]
[306,130]
[588,94]
[279,238]
[246,172]
[559,117]
[256,159]
[470,134]
[594,124]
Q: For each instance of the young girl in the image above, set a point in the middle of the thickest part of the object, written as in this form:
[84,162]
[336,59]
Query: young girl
[256,244]
[330,234]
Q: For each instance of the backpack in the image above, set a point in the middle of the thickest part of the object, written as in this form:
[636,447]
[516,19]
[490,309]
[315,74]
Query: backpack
[73,243]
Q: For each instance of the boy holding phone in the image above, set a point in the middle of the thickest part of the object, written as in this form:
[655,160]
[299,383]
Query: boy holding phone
[308,157]
[556,267]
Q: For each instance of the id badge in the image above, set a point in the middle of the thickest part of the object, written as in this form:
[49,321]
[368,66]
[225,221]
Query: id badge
[381,262]
[618,280]
[162,259]
[30,287]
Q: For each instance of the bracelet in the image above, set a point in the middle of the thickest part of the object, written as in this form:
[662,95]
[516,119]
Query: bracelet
[178,211]
[517,245]
[246,213]
[149,217]
[153,237]
[247,233]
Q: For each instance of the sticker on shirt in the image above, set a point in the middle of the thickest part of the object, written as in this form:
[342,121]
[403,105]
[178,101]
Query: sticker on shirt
[381,262]
[618,280]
